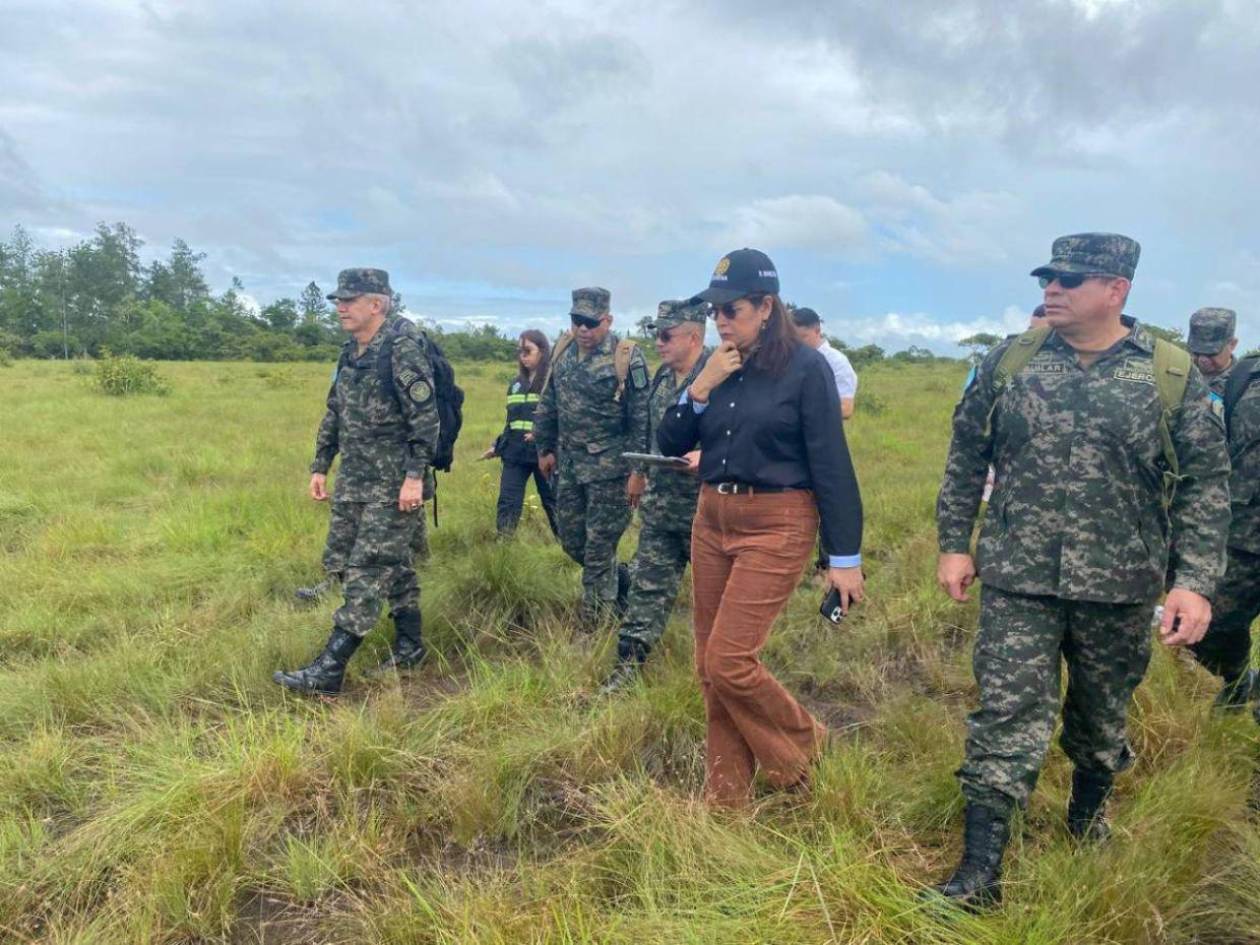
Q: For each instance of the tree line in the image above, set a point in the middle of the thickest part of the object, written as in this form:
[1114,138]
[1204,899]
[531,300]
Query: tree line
[97,297]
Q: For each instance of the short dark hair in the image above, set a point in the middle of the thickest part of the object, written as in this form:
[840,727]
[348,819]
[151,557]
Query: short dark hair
[805,318]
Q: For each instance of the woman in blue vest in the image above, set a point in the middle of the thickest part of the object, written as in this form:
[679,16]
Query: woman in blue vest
[515,445]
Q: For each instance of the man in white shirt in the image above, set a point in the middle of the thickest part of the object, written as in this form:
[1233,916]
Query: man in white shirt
[809,330]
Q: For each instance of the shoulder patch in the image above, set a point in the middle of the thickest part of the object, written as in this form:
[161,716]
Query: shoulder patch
[407,377]
[638,374]
[420,391]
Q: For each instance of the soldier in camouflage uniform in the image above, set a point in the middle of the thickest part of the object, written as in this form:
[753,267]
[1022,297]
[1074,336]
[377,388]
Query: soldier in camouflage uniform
[588,416]
[1079,536]
[1226,649]
[669,503]
[386,440]
[1212,342]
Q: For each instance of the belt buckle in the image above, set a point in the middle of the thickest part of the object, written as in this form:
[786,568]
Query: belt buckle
[727,488]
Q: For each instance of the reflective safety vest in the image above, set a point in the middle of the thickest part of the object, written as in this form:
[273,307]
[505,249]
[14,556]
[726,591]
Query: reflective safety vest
[511,444]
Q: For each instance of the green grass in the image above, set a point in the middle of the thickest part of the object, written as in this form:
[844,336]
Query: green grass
[155,786]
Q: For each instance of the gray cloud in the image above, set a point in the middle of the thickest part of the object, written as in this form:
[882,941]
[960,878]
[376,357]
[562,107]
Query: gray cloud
[909,157]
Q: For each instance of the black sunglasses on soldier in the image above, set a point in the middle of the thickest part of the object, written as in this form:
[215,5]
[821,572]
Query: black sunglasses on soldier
[1069,280]
[583,321]
[664,335]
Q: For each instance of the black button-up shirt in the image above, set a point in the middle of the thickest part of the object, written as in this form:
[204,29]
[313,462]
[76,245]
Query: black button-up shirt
[777,431]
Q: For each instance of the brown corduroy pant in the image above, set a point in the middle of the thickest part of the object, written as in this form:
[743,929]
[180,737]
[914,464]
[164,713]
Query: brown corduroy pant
[747,555]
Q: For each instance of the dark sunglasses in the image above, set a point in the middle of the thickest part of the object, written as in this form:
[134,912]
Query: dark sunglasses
[728,309]
[1069,280]
[584,321]
[664,335]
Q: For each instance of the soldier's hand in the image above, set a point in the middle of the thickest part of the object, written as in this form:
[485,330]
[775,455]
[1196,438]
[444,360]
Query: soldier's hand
[547,465]
[693,463]
[634,488]
[319,487]
[488,454]
[529,437]
[955,573]
[411,495]
[851,584]
[723,362]
[1195,612]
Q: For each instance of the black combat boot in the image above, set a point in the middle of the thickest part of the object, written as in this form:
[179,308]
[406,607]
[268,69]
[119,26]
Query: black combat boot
[1087,808]
[623,588]
[311,594]
[408,649]
[976,883]
[1236,693]
[324,675]
[631,655]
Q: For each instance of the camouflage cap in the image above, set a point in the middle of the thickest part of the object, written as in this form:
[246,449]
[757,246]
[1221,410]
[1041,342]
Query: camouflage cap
[591,302]
[674,312]
[1211,329]
[351,283]
[1107,253]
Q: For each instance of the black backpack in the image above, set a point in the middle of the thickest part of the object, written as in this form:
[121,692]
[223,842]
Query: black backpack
[450,397]
[1239,380]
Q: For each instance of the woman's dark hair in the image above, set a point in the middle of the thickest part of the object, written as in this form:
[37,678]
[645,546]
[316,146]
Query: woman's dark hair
[778,340]
[539,340]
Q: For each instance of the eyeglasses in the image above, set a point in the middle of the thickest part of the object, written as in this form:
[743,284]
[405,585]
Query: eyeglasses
[584,321]
[1070,280]
[664,335]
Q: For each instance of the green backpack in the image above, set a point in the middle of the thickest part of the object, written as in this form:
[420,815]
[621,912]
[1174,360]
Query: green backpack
[1172,373]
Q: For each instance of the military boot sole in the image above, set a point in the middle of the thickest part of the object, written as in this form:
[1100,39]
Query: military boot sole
[978,900]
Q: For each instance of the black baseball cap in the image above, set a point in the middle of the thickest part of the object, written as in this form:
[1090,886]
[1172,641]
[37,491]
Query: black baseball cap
[743,272]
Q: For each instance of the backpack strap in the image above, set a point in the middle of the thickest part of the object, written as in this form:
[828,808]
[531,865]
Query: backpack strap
[1239,380]
[557,352]
[385,357]
[1172,373]
[1014,359]
[621,364]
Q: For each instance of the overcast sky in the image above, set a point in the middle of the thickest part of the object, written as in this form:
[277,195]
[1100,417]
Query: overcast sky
[904,163]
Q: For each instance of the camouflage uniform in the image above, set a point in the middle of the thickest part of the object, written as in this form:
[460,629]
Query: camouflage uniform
[1226,648]
[583,421]
[1076,544]
[668,506]
[381,439]
[1211,329]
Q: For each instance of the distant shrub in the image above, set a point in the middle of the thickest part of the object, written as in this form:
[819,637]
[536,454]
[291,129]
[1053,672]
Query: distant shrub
[121,375]
[280,378]
[82,367]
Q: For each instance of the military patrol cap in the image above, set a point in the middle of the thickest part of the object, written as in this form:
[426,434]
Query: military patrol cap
[1105,253]
[351,283]
[591,302]
[743,272]
[674,312]
[1211,329]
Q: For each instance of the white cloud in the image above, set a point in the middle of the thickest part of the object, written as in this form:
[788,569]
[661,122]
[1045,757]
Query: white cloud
[806,221]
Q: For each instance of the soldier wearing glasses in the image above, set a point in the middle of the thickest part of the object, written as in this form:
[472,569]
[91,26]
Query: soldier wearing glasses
[590,413]
[669,502]
[1082,531]
[386,440]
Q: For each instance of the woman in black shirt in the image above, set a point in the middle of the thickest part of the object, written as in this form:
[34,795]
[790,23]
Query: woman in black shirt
[515,445]
[766,417]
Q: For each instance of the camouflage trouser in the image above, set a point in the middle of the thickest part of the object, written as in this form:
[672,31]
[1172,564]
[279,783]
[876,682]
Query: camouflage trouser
[1017,666]
[659,563]
[369,545]
[1226,648]
[591,518]
[420,541]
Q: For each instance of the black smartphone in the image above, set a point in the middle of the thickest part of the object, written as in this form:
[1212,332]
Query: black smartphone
[831,606]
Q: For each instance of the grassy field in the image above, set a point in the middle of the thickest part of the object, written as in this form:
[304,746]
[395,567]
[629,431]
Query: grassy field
[156,786]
